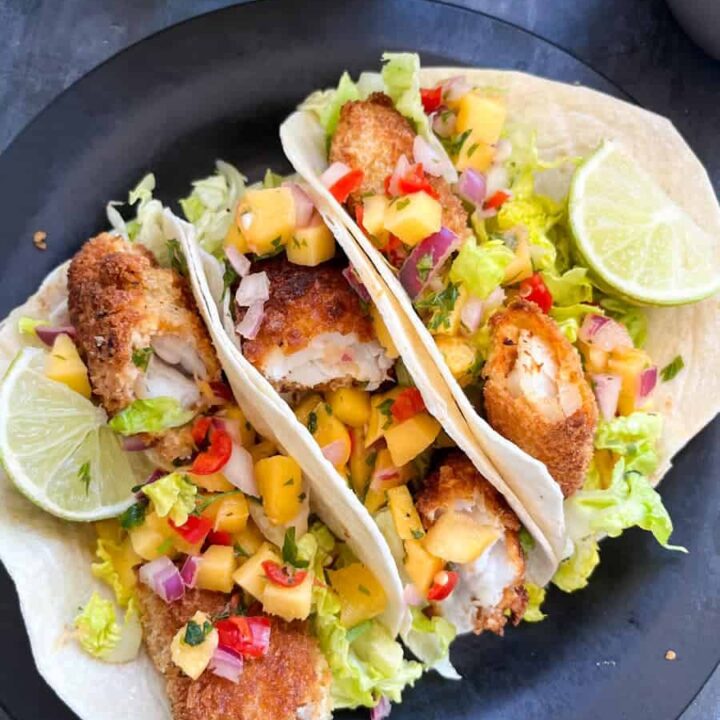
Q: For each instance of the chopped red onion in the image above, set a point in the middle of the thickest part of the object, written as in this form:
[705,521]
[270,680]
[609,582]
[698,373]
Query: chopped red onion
[226,663]
[253,288]
[163,578]
[607,393]
[433,161]
[336,171]
[455,87]
[412,596]
[189,571]
[240,471]
[134,443]
[381,710]
[240,264]
[48,333]
[350,274]
[303,204]
[472,187]
[648,381]
[472,313]
[250,325]
[401,168]
[604,333]
[443,123]
[334,452]
[432,251]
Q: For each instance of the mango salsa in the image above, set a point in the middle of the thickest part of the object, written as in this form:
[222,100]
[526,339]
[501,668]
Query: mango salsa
[628,364]
[279,480]
[408,439]
[327,429]
[421,565]
[64,365]
[362,597]
[311,245]
[216,482]
[484,115]
[250,576]
[458,537]
[289,603]
[449,323]
[229,514]
[475,154]
[350,405]
[459,356]
[362,462]
[404,515]
[306,406]
[234,238]
[374,500]
[266,219]
[245,429]
[263,449]
[153,538]
[520,266]
[383,334]
[248,541]
[216,568]
[193,659]
[413,217]
[373,220]
[381,419]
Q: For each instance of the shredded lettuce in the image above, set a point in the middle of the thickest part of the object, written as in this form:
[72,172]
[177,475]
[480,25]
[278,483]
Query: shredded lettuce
[101,634]
[574,572]
[172,495]
[429,640]
[115,567]
[569,319]
[571,288]
[481,268]
[210,207]
[28,325]
[635,438]
[152,416]
[536,597]
[633,318]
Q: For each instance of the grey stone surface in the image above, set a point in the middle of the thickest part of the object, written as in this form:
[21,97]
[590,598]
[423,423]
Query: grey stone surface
[45,45]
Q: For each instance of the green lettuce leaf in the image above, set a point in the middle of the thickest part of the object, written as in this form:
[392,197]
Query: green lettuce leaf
[115,567]
[536,597]
[481,268]
[151,416]
[28,325]
[172,495]
[429,639]
[633,318]
[571,288]
[326,104]
[97,629]
[210,207]
[574,572]
[570,318]
[635,438]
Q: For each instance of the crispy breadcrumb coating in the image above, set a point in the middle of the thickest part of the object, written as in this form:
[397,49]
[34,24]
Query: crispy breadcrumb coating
[458,484]
[371,136]
[291,681]
[556,428]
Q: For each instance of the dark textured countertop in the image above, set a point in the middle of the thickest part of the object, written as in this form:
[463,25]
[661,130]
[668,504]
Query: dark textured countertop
[45,45]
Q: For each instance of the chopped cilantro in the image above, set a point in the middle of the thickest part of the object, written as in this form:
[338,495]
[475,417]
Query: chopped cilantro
[424,265]
[328,409]
[177,259]
[290,551]
[195,633]
[84,475]
[370,459]
[207,500]
[472,149]
[363,590]
[302,496]
[229,277]
[442,304]
[417,534]
[289,482]
[133,516]
[240,551]
[527,542]
[312,422]
[141,357]
[277,242]
[385,407]
[454,144]
[402,204]
[164,546]
[672,369]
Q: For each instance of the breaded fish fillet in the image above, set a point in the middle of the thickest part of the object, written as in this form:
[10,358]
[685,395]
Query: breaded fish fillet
[138,330]
[491,590]
[536,393]
[291,682]
[315,332]
[371,136]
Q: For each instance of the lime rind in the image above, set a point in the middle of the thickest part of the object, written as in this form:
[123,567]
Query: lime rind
[635,240]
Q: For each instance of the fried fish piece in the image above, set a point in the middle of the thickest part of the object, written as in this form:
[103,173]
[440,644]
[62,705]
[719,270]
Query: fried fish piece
[371,136]
[315,332]
[291,682]
[536,394]
[139,332]
[491,590]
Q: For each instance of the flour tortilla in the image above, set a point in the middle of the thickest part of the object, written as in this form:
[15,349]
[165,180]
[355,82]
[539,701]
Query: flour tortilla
[569,120]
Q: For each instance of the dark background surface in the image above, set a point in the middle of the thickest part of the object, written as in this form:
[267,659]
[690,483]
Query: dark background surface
[45,45]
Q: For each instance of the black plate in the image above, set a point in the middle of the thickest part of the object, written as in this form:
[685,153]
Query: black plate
[218,86]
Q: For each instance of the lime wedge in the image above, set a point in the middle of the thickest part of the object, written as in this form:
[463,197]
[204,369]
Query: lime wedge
[57,449]
[634,238]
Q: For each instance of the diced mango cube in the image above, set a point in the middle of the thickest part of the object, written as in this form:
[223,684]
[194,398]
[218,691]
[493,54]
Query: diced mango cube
[421,565]
[289,603]
[484,115]
[628,364]
[234,238]
[266,219]
[381,419]
[311,245]
[216,568]
[475,154]
[194,659]
[327,429]
[248,541]
[362,597]
[350,405]
[64,365]
[229,514]
[413,217]
[520,267]
[216,482]
[109,530]
[404,515]
[246,431]
[279,480]
[595,358]
[408,439]
[153,538]
[250,576]
[459,356]
[263,449]
[373,221]
[374,500]
[458,537]
[362,462]
[382,333]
